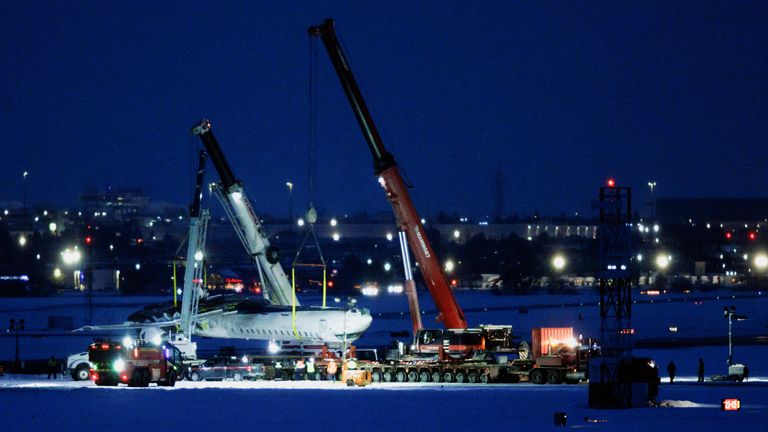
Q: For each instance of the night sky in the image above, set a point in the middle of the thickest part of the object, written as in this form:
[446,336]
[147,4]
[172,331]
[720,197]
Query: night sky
[558,95]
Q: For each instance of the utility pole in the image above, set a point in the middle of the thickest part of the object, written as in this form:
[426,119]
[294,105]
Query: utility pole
[16,327]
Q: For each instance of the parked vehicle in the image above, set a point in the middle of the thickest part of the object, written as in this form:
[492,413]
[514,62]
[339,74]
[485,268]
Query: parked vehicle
[221,368]
[138,365]
[78,366]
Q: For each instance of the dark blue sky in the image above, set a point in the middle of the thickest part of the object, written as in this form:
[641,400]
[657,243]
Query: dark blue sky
[558,95]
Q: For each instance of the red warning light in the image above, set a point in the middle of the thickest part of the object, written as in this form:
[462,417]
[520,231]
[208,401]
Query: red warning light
[454,282]
[88,240]
[728,235]
[330,284]
[730,404]
[752,235]
[611,182]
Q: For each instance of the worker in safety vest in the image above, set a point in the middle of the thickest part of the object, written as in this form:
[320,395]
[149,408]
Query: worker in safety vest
[298,372]
[351,364]
[52,367]
[311,369]
[278,370]
[332,369]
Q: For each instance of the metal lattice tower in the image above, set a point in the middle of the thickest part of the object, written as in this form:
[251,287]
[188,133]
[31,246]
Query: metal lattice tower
[617,379]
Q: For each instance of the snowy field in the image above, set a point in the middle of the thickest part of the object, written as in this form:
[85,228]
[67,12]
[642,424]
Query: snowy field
[33,403]
[29,402]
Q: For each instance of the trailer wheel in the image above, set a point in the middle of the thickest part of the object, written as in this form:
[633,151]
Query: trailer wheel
[237,376]
[376,376]
[424,376]
[537,376]
[388,376]
[472,377]
[145,378]
[461,376]
[448,376]
[553,377]
[413,376]
[135,380]
[400,376]
[484,378]
[436,376]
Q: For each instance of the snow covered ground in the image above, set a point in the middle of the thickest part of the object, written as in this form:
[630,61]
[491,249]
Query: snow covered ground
[33,403]
[29,402]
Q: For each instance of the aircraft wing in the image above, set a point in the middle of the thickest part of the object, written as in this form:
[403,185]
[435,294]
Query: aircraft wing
[140,325]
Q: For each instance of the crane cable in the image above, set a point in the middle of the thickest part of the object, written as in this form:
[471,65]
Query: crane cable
[311,215]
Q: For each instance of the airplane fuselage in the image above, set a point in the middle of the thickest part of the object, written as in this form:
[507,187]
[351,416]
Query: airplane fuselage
[234,317]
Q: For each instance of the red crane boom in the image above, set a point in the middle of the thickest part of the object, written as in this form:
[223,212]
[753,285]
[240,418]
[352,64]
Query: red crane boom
[386,169]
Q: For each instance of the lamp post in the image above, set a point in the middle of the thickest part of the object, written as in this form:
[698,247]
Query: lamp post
[16,327]
[289,185]
[729,312]
[652,185]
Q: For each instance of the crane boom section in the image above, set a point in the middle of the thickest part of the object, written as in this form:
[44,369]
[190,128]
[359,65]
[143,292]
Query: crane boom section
[386,169]
[246,223]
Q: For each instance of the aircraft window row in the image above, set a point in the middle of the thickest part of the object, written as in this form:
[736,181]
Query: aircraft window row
[306,334]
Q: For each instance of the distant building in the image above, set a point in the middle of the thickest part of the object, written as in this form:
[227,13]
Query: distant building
[681,210]
[119,205]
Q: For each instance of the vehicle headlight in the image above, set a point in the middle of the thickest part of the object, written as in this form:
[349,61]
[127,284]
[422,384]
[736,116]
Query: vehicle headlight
[118,365]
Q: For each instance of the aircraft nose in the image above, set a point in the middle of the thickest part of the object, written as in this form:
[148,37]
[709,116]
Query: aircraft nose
[358,321]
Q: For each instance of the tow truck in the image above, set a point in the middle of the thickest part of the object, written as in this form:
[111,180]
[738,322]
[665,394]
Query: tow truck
[456,353]
[136,365]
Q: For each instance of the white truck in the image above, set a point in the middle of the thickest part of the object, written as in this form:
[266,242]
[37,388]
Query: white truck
[79,367]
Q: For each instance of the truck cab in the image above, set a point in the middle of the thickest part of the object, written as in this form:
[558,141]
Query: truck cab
[113,363]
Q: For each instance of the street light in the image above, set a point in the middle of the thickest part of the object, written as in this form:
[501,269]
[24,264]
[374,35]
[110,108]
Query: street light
[558,262]
[16,327]
[730,313]
[761,261]
[449,266]
[71,256]
[24,178]
[289,185]
[662,261]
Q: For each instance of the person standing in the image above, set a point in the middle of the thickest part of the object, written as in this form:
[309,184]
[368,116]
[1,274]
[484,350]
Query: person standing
[298,374]
[331,370]
[311,369]
[278,371]
[701,370]
[671,369]
[52,367]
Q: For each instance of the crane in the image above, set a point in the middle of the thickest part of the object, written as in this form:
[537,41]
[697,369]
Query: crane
[231,193]
[461,350]
[193,273]
[390,178]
